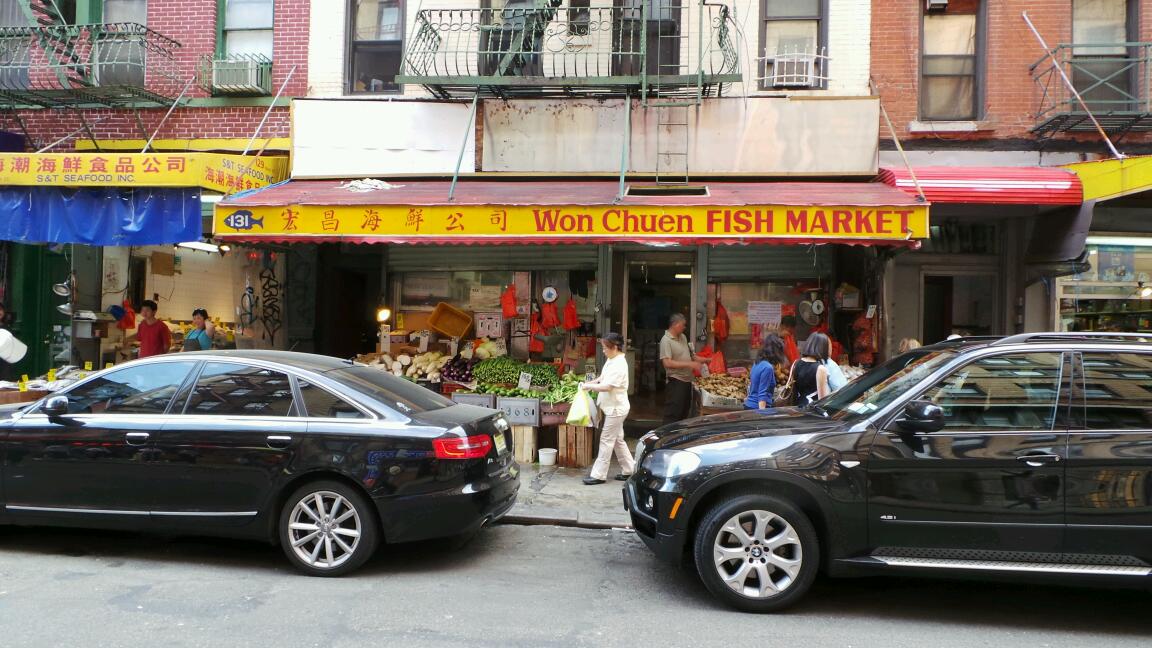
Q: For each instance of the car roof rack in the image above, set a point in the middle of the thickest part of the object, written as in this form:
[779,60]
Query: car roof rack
[1073,335]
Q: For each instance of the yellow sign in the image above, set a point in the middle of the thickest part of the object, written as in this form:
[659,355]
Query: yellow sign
[108,365]
[51,375]
[23,377]
[22,386]
[576,222]
[215,171]
[88,365]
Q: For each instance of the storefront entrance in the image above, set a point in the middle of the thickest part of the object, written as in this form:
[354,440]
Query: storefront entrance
[653,286]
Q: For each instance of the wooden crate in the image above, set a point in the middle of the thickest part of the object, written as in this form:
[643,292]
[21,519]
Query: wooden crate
[524,443]
[576,446]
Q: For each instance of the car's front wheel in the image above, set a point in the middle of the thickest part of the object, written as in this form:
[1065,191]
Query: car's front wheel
[757,553]
[328,529]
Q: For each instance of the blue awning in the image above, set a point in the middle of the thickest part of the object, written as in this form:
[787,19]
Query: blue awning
[100,215]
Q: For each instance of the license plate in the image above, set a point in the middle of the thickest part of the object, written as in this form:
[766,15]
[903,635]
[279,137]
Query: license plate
[501,443]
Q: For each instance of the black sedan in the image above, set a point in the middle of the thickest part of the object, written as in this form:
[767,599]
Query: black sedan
[323,456]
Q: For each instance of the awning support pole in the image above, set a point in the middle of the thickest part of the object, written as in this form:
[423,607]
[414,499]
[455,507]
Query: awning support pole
[88,131]
[896,140]
[264,119]
[624,147]
[68,136]
[148,144]
[1068,84]
[470,131]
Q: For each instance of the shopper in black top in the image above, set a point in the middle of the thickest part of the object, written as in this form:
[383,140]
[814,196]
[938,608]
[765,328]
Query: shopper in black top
[809,375]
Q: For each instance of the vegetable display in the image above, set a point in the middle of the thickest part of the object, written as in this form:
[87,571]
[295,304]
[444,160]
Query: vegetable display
[506,370]
[426,365]
[458,369]
[724,385]
[564,391]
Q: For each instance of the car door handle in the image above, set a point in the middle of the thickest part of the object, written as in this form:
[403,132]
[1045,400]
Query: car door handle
[136,438]
[1037,460]
[277,441]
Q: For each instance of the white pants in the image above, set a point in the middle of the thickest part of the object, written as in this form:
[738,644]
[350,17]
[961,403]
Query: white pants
[612,440]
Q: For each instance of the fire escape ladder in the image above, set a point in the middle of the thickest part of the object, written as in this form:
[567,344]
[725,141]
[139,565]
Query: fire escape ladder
[58,40]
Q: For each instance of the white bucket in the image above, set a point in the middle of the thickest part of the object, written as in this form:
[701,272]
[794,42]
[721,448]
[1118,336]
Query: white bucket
[11,349]
[547,456]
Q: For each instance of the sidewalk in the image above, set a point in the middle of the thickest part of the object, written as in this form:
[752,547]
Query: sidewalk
[552,495]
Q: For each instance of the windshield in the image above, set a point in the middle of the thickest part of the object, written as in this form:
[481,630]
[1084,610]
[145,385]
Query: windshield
[403,396]
[880,386]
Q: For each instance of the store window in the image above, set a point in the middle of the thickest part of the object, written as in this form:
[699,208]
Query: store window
[1101,70]
[1009,392]
[132,390]
[121,55]
[376,46]
[791,43]
[1117,391]
[949,76]
[1113,295]
[246,29]
[227,389]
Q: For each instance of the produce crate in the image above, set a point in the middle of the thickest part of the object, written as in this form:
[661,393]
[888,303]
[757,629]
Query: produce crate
[448,388]
[712,401]
[554,413]
[524,443]
[576,446]
[449,320]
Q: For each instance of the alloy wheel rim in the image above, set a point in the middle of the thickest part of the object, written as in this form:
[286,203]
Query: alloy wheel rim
[757,554]
[324,529]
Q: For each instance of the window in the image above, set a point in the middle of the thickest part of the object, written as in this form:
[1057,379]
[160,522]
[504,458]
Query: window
[1101,68]
[1011,392]
[948,78]
[377,45]
[247,29]
[121,52]
[790,41]
[143,389]
[1117,391]
[401,395]
[321,403]
[228,389]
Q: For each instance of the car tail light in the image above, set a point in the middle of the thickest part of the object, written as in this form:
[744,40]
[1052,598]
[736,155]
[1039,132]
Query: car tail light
[473,447]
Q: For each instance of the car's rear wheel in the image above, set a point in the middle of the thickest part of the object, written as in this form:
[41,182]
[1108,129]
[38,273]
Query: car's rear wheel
[328,529]
[757,553]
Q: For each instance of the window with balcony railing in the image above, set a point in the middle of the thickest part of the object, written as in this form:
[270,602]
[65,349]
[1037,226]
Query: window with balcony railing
[1101,70]
[376,45]
[121,55]
[792,44]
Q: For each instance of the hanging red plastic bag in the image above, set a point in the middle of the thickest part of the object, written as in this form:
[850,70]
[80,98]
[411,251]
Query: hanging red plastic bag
[704,354]
[535,344]
[508,302]
[571,319]
[717,365]
[549,316]
[721,325]
[128,320]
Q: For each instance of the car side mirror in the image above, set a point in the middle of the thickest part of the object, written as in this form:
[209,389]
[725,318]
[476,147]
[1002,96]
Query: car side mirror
[55,406]
[921,416]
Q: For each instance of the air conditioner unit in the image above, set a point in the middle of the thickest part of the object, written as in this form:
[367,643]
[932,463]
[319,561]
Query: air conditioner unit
[241,77]
[793,71]
[935,5]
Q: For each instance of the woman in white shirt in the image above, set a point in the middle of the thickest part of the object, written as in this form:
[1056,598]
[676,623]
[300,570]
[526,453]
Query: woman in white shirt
[613,402]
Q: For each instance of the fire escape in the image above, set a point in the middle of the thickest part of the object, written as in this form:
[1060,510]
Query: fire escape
[49,63]
[666,55]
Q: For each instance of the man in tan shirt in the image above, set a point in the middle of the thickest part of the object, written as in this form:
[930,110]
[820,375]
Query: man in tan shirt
[680,364]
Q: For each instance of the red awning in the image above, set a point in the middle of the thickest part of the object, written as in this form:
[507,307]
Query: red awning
[573,211]
[989,185]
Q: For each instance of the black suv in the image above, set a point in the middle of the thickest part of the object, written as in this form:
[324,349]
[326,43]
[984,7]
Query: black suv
[1025,455]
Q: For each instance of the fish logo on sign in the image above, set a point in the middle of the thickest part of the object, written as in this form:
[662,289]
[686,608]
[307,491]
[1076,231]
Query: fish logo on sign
[243,220]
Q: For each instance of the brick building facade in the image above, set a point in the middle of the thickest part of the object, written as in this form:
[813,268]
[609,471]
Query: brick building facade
[1010,93]
[195,25]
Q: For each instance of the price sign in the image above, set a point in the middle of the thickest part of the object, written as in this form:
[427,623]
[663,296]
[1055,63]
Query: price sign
[107,365]
[489,325]
[525,380]
[520,411]
[88,365]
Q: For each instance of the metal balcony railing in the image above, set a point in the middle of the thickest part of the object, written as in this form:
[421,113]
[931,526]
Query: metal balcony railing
[1112,78]
[555,49]
[111,64]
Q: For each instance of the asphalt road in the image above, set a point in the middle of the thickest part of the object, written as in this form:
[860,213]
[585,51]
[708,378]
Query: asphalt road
[509,586]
